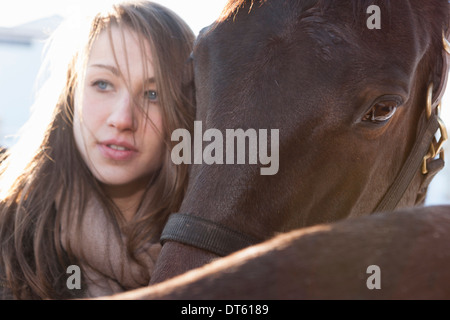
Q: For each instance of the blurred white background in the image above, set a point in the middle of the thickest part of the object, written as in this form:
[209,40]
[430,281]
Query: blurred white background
[25,24]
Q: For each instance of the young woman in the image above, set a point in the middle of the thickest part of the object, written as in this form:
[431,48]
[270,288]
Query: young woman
[97,187]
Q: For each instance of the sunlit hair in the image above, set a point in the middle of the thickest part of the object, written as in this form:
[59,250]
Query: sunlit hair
[45,161]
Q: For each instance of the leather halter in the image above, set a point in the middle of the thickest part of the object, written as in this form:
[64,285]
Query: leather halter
[427,148]
[213,237]
[205,234]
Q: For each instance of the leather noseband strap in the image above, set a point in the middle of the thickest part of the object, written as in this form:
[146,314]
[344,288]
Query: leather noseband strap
[205,234]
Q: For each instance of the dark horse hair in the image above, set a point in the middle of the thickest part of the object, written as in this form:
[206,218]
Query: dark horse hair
[317,12]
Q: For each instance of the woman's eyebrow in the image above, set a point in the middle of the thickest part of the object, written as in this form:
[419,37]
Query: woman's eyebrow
[116,71]
[150,80]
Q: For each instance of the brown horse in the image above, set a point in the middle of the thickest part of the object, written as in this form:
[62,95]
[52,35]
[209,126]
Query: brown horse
[355,107]
[349,103]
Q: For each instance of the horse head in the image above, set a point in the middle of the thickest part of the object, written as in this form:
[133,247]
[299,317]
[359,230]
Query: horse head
[354,107]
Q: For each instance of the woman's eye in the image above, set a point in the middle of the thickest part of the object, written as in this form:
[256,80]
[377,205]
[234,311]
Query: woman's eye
[381,112]
[151,95]
[102,85]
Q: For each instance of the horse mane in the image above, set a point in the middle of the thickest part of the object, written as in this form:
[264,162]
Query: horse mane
[232,7]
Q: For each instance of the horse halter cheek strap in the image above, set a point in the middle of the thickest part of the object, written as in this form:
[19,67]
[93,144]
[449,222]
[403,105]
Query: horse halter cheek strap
[427,148]
[215,238]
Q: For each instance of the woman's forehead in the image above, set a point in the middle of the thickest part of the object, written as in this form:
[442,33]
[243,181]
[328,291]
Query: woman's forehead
[124,49]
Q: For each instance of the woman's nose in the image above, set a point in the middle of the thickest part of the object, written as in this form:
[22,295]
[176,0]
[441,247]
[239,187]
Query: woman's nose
[122,115]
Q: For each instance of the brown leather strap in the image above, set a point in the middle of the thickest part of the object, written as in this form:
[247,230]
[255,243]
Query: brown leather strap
[423,142]
[205,234]
[411,166]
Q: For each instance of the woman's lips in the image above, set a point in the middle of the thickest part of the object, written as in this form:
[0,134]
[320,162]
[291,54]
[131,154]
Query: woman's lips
[118,151]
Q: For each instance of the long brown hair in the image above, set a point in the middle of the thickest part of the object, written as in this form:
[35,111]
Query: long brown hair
[33,261]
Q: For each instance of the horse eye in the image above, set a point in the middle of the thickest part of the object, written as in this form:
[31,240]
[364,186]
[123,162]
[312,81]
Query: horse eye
[381,111]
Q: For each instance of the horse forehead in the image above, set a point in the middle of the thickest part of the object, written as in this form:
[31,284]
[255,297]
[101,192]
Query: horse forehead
[316,34]
[330,27]
[245,61]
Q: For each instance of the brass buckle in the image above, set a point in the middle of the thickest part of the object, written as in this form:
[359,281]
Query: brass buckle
[446,43]
[436,147]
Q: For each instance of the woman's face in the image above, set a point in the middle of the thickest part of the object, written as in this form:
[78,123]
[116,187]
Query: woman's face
[120,145]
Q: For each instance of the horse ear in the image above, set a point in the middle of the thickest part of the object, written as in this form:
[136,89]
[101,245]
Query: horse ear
[440,75]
